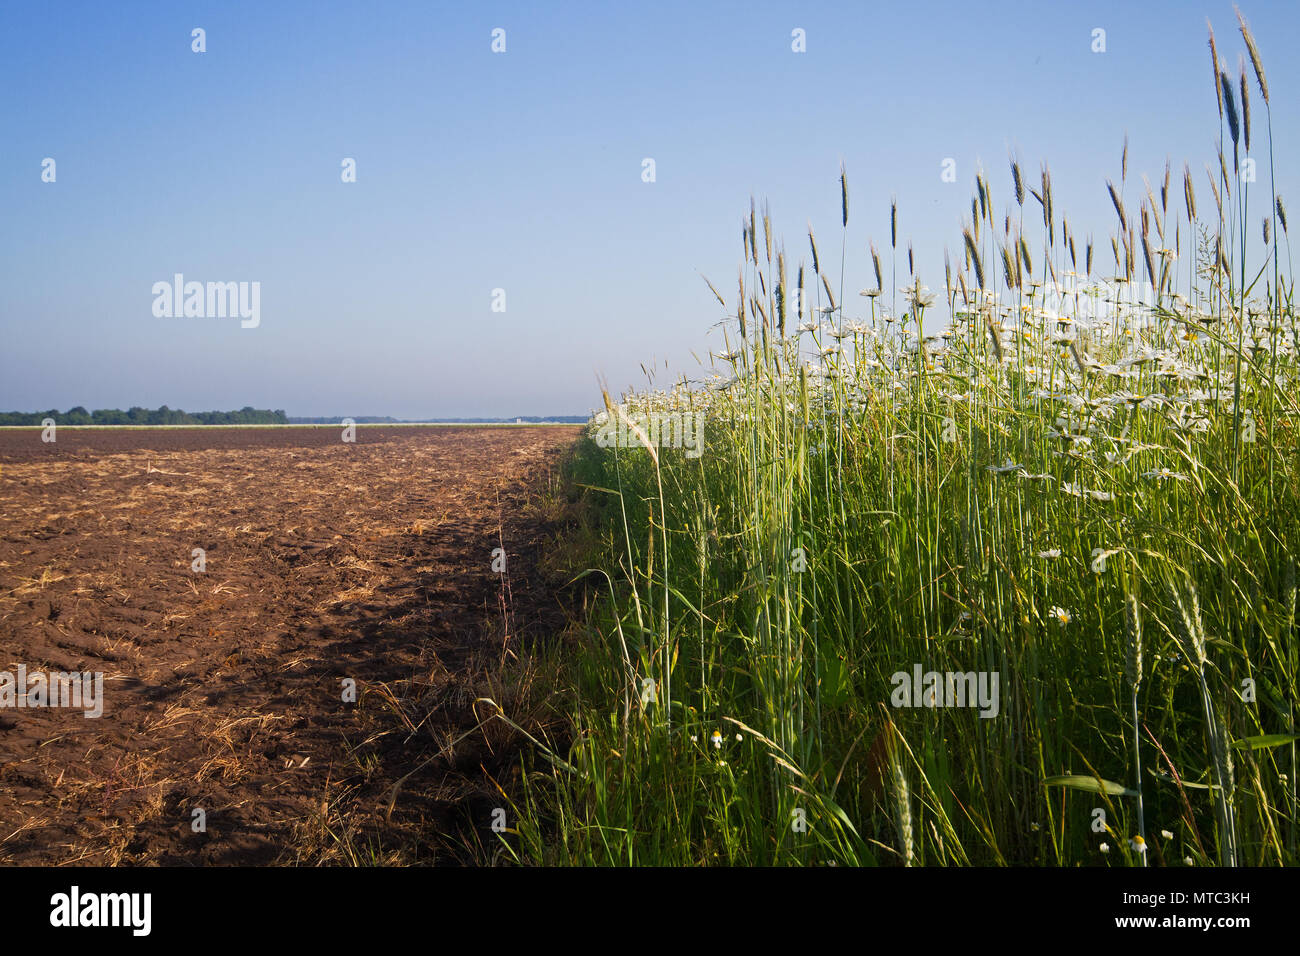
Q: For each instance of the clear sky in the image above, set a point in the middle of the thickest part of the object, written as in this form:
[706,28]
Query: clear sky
[522,171]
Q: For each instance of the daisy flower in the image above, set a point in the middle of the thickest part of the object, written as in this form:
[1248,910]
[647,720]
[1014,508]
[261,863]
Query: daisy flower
[1162,474]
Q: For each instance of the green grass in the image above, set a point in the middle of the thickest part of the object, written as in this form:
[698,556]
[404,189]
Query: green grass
[1102,512]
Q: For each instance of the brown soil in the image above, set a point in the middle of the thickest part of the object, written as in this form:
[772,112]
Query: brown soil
[224,689]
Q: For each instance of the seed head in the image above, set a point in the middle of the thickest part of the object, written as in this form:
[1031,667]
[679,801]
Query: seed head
[1214,65]
[767,231]
[753,231]
[1047,202]
[1009,270]
[1133,633]
[844,196]
[1187,624]
[1119,205]
[740,304]
[903,810]
[1230,106]
[1255,60]
[829,295]
[1245,106]
[780,292]
[974,254]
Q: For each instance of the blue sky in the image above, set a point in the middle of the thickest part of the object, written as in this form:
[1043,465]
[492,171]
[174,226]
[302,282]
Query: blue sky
[522,171]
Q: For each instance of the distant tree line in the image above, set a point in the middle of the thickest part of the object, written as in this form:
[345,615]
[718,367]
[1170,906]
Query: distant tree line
[147,416]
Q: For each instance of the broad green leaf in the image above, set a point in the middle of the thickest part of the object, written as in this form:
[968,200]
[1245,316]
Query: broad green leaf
[837,687]
[1264,741]
[1091,784]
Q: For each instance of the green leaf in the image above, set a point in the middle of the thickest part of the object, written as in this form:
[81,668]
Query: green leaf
[1091,784]
[1264,741]
[837,686]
